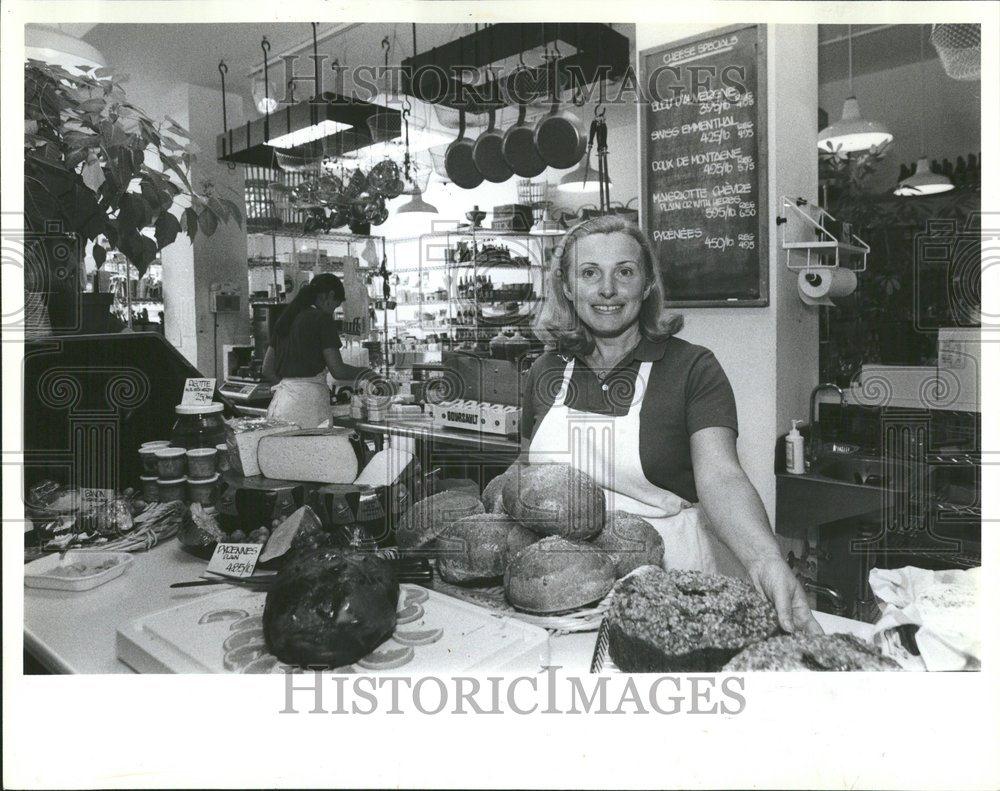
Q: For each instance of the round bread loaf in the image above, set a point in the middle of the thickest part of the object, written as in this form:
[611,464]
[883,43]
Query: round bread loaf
[519,538]
[473,550]
[810,652]
[493,493]
[555,575]
[630,541]
[684,621]
[430,517]
[555,500]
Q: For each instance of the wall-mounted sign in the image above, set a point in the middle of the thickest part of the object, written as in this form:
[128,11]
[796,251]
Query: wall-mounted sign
[703,142]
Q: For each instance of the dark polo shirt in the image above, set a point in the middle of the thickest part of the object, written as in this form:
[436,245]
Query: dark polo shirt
[300,353]
[687,391]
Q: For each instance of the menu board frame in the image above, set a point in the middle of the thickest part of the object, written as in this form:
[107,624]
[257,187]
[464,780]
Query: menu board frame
[763,245]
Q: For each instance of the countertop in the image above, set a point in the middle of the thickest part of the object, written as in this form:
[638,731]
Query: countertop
[76,632]
[421,427]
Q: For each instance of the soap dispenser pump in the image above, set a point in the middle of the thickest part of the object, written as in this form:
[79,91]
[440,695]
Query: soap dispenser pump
[795,450]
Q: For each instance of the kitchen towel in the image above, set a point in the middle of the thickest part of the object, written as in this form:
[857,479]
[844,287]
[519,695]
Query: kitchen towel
[822,286]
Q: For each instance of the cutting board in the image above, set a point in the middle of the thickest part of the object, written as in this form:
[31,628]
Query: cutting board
[222,633]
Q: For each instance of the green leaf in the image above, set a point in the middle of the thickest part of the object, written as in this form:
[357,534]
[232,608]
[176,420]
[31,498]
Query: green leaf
[93,175]
[234,211]
[100,255]
[132,211]
[190,218]
[208,222]
[166,229]
[92,106]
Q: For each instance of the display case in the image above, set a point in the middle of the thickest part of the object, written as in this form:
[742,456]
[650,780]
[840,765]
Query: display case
[457,289]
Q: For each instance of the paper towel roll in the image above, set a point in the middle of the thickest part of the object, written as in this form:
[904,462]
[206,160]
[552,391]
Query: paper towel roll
[822,286]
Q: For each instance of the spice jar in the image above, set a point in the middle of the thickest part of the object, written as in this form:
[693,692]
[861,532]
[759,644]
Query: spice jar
[201,462]
[198,426]
[203,491]
[170,463]
[150,488]
[171,490]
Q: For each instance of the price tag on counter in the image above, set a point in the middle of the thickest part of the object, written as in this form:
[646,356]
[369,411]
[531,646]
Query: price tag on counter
[198,392]
[235,560]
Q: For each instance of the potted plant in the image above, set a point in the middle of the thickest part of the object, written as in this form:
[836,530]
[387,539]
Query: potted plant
[98,169]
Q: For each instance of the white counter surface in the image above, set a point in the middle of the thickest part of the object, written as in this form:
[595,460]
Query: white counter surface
[75,632]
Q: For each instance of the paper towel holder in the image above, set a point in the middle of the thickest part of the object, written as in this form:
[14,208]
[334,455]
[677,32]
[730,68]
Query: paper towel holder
[833,237]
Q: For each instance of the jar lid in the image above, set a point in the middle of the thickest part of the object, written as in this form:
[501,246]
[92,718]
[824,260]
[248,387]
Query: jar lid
[148,478]
[156,443]
[167,453]
[202,451]
[199,481]
[198,409]
[171,482]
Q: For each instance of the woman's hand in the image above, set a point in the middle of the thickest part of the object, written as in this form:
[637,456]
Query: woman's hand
[773,577]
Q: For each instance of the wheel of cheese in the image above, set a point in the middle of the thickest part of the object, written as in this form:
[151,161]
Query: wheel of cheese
[555,500]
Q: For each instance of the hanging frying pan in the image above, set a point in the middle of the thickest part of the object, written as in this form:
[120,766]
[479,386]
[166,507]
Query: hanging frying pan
[487,153]
[458,159]
[519,141]
[559,137]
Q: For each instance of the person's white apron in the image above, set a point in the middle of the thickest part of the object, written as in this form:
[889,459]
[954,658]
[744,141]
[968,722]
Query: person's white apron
[607,449]
[304,401]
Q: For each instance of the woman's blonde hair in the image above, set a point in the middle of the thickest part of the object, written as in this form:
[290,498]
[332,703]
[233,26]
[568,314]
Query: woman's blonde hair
[557,322]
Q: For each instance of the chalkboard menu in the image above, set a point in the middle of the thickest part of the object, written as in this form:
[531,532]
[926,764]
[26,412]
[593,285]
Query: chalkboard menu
[704,166]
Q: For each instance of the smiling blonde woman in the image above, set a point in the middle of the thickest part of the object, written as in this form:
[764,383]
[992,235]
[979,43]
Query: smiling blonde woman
[650,417]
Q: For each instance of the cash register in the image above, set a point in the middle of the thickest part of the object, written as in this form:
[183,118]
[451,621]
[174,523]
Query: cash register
[245,383]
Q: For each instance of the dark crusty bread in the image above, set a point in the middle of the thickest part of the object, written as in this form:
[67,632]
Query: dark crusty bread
[810,652]
[554,500]
[519,538]
[555,575]
[430,517]
[473,550]
[631,542]
[493,494]
[684,621]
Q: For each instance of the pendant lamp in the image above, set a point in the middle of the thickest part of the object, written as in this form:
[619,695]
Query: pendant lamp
[581,179]
[51,45]
[923,181]
[853,132]
[417,205]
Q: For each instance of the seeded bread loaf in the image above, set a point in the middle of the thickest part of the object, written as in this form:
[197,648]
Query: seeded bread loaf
[555,575]
[519,538]
[810,652]
[430,517]
[473,550]
[631,542]
[684,621]
[554,500]
[493,493]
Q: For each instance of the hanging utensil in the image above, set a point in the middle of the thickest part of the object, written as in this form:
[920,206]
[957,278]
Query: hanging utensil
[487,153]
[459,162]
[559,138]
[518,146]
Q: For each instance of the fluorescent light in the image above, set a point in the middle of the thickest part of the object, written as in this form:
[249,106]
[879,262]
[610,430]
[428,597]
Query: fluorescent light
[924,181]
[852,132]
[300,137]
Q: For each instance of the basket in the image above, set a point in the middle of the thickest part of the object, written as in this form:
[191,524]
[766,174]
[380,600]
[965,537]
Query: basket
[585,619]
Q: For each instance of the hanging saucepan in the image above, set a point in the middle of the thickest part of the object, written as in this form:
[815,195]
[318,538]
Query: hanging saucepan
[458,160]
[487,153]
[519,141]
[559,136]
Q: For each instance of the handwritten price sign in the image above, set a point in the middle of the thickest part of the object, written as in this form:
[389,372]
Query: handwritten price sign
[198,391]
[235,560]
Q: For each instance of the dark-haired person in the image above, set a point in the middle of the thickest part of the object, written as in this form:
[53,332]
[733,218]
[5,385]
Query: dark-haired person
[650,417]
[304,345]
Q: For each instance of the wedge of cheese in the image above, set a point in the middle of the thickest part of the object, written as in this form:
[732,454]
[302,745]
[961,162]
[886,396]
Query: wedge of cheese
[385,468]
[311,455]
[243,435]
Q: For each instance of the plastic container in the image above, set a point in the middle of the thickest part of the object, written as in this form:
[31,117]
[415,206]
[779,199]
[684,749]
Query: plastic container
[200,426]
[69,571]
[172,489]
[203,491]
[795,450]
[201,462]
[222,459]
[156,443]
[147,455]
[170,463]
[150,488]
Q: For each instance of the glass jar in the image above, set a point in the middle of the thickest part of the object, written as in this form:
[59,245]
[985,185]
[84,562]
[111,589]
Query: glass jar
[198,426]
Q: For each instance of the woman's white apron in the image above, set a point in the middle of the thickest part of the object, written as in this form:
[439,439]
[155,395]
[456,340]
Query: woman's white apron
[304,401]
[607,449]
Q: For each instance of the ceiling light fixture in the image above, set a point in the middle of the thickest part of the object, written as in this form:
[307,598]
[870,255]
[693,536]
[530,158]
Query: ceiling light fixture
[581,179]
[923,181]
[51,45]
[417,205]
[853,132]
